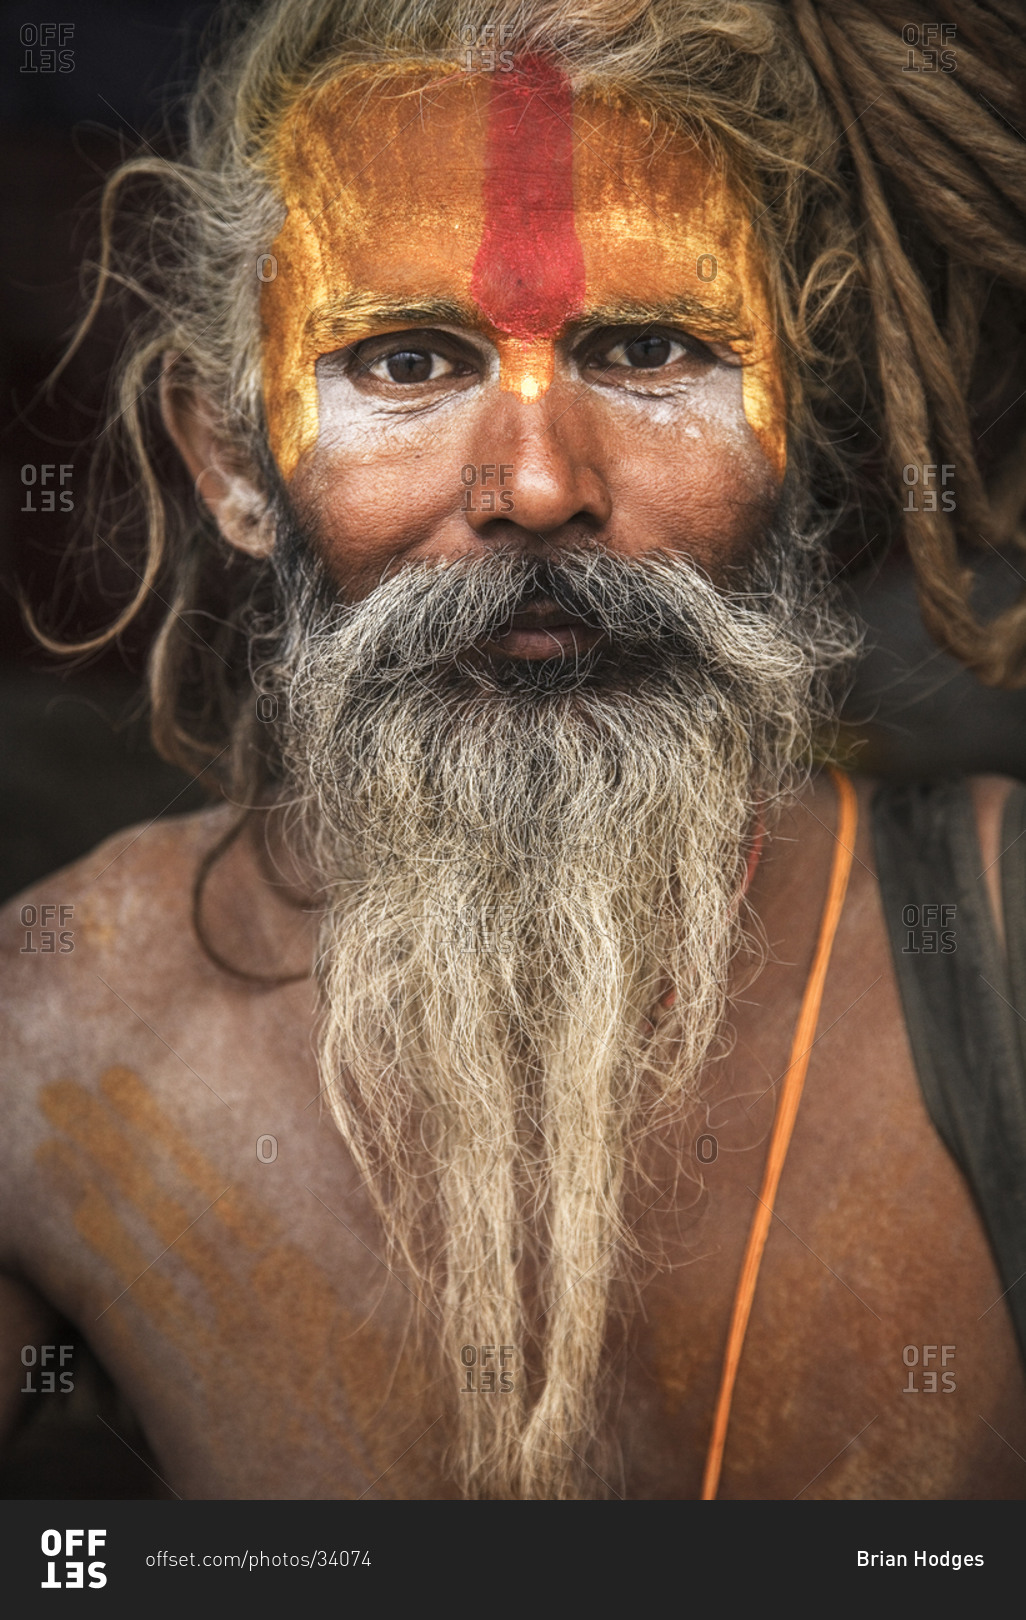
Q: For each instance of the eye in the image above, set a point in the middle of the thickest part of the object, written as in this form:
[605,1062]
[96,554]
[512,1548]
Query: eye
[403,362]
[652,351]
[410,366]
[642,351]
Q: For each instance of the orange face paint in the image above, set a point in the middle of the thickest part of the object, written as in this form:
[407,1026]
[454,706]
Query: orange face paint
[501,204]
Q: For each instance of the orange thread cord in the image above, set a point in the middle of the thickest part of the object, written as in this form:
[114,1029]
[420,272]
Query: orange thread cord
[783,1125]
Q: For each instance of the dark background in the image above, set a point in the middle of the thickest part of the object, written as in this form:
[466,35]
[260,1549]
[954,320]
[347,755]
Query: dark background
[77,760]
[78,764]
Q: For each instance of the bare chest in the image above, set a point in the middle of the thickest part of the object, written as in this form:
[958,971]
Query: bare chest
[228,1272]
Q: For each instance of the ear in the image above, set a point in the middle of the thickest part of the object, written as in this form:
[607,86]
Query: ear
[227,488]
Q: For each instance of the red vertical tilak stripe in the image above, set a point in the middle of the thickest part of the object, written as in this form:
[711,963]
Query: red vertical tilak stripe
[528,276]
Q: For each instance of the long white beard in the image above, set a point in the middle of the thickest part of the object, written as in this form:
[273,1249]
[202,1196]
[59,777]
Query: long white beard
[516,866]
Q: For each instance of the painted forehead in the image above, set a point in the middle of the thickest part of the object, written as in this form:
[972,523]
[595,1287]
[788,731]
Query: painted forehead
[503,203]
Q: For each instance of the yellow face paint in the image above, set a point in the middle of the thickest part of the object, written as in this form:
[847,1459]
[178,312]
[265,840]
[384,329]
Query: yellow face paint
[500,204]
[663,229]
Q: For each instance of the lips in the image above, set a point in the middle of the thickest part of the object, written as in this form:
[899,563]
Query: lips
[543,630]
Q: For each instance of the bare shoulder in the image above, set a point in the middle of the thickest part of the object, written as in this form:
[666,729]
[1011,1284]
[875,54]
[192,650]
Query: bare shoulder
[88,955]
[111,911]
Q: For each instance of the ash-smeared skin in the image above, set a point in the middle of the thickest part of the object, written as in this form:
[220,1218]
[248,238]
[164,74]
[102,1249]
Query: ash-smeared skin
[116,1156]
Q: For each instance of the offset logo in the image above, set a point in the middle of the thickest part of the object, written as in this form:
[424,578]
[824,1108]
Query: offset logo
[41,1373]
[929,930]
[925,1382]
[79,1549]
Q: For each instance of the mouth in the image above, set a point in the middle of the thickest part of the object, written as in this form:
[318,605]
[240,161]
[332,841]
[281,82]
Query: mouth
[543,630]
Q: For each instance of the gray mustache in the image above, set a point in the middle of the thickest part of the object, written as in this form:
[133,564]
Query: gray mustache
[430,615]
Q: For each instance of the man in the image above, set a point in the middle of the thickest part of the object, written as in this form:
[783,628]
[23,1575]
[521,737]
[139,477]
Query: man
[402,1127]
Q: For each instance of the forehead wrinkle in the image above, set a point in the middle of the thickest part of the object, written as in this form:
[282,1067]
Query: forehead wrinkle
[655,140]
[303,126]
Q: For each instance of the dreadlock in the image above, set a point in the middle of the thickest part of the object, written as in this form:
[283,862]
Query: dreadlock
[944,144]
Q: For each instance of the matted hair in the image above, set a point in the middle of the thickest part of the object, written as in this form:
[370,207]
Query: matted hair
[888,188]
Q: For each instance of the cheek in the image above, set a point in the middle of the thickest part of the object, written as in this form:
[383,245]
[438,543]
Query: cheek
[376,487]
[363,510]
[691,475]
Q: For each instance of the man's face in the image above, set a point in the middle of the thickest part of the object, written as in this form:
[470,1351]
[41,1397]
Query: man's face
[505,318]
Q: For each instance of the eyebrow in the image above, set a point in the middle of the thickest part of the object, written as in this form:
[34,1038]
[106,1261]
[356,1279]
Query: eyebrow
[715,320]
[335,323]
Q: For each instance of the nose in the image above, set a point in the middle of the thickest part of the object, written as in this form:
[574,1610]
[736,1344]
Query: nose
[540,462]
